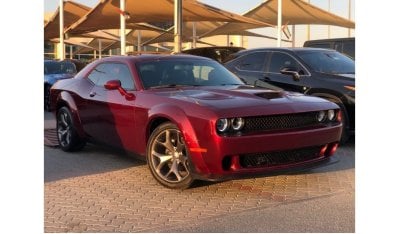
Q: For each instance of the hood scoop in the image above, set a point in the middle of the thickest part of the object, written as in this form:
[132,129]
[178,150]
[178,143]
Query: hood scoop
[270,95]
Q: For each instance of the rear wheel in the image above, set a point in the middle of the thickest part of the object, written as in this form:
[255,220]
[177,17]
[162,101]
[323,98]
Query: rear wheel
[68,138]
[167,157]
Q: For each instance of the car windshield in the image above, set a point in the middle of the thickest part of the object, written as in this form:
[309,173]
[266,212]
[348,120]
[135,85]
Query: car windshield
[180,72]
[331,62]
[55,67]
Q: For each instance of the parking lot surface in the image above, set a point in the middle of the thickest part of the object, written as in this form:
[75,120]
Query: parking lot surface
[104,190]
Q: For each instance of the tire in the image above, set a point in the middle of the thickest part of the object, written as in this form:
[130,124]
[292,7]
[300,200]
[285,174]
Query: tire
[67,136]
[168,157]
[47,97]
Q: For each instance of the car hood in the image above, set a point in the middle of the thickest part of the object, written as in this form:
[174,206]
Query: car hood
[247,99]
[52,78]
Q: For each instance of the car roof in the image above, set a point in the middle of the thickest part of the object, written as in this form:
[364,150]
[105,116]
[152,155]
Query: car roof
[287,49]
[152,57]
[332,39]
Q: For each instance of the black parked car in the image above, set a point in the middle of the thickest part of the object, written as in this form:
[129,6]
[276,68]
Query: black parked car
[313,71]
[218,53]
[346,46]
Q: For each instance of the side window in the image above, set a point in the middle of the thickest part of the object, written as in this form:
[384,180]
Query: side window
[281,60]
[253,62]
[97,73]
[320,45]
[121,72]
[112,71]
[349,48]
[338,46]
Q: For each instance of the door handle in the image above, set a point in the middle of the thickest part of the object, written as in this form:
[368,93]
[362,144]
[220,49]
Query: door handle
[92,94]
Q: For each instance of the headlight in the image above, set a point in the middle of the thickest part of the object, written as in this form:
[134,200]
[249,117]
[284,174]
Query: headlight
[222,125]
[331,115]
[237,123]
[321,116]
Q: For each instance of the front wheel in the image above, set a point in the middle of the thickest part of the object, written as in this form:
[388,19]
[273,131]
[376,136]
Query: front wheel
[168,157]
[68,138]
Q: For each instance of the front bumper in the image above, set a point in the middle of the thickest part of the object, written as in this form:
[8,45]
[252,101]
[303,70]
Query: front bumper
[213,165]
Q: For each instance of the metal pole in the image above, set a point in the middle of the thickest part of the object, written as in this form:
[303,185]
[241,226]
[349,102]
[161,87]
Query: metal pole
[349,32]
[329,27]
[122,29]
[293,35]
[70,52]
[139,41]
[177,26]
[62,50]
[100,49]
[308,29]
[278,41]
[194,35]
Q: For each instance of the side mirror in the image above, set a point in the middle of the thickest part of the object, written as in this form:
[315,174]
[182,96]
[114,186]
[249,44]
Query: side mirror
[291,71]
[112,84]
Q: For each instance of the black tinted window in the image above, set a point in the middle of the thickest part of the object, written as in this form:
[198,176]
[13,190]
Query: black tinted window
[55,67]
[319,45]
[112,71]
[331,62]
[281,60]
[349,48]
[253,62]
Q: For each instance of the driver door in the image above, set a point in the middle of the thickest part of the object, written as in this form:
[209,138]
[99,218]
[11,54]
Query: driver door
[109,116]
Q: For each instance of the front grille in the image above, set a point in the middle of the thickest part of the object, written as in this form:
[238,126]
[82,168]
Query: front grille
[280,122]
[279,158]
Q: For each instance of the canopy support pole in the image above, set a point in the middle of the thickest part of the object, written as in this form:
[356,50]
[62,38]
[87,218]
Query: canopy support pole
[279,26]
[194,35]
[329,26]
[100,49]
[308,28]
[70,52]
[139,41]
[293,35]
[62,46]
[349,32]
[123,27]
[177,26]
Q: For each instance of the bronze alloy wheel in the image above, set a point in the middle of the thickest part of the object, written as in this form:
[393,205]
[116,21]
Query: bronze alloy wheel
[167,156]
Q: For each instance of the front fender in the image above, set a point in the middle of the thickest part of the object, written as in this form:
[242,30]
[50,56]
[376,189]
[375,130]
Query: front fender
[177,116]
[66,99]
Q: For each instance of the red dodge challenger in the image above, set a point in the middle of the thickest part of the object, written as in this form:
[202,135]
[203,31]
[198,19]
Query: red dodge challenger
[192,119]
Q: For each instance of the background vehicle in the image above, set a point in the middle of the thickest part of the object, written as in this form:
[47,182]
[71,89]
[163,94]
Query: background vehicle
[343,45]
[318,72]
[192,119]
[54,71]
[218,53]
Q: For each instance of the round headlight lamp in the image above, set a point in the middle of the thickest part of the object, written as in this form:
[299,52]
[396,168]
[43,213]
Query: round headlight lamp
[321,116]
[222,125]
[331,115]
[237,124]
